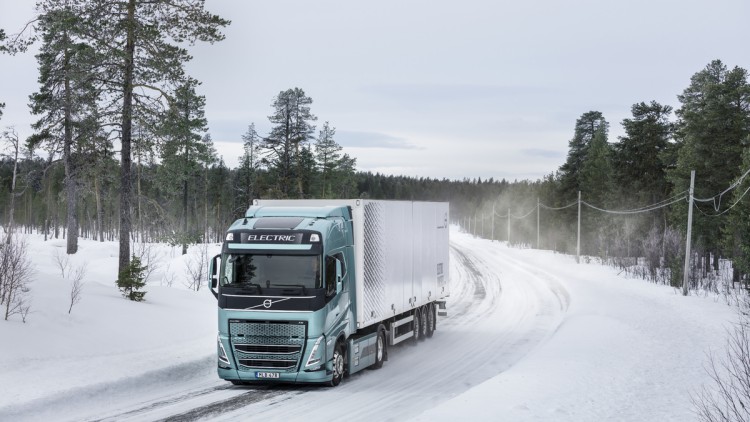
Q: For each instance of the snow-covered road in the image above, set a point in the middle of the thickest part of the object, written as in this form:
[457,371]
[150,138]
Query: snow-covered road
[495,318]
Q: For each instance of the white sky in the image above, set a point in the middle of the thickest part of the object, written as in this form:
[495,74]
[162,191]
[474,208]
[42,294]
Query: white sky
[476,88]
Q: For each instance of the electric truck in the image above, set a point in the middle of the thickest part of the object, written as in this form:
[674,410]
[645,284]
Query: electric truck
[312,290]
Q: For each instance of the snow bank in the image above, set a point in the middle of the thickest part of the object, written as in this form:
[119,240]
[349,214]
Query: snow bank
[106,340]
[626,350]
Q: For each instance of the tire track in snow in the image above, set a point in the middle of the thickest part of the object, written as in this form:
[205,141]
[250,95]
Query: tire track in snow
[499,311]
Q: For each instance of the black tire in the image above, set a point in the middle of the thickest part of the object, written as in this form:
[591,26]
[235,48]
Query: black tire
[431,320]
[381,351]
[417,325]
[339,365]
[423,311]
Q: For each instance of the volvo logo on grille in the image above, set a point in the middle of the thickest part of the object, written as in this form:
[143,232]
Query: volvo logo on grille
[267,303]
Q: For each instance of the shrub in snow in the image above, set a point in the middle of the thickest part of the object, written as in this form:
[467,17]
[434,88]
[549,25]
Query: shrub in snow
[132,280]
[728,399]
[76,285]
[15,274]
[197,268]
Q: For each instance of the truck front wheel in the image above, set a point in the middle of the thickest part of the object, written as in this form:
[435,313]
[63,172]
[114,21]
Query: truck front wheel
[339,357]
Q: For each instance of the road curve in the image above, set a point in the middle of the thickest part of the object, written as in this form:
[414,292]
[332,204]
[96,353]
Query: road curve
[499,310]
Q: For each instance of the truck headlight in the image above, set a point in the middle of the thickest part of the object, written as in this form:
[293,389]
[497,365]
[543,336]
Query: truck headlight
[223,359]
[315,360]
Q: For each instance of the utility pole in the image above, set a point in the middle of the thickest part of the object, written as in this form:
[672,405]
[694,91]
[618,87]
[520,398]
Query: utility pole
[493,222]
[686,272]
[578,242]
[508,226]
[537,223]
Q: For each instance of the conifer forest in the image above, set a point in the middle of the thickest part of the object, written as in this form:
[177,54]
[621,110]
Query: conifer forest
[122,151]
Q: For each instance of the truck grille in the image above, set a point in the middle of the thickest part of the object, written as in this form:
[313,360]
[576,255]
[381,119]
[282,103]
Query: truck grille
[267,345]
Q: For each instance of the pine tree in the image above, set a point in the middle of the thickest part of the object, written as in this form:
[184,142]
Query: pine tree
[737,230]
[596,171]
[596,185]
[183,148]
[142,39]
[714,119]
[67,94]
[283,145]
[640,170]
[132,280]
[249,166]
[327,156]
[344,178]
[586,128]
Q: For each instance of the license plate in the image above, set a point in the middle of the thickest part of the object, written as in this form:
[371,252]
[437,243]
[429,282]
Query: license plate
[266,375]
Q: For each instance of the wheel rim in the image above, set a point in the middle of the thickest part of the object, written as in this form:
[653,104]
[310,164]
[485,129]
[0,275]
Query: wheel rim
[379,352]
[338,365]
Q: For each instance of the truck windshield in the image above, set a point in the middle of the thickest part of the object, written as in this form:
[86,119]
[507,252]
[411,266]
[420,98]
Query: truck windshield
[250,270]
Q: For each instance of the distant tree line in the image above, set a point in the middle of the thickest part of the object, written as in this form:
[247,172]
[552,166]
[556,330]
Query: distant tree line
[121,151]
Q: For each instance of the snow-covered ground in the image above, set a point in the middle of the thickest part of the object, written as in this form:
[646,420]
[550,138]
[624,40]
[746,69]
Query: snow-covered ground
[530,335]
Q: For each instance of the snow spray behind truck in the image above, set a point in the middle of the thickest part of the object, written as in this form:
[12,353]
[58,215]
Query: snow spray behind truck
[311,290]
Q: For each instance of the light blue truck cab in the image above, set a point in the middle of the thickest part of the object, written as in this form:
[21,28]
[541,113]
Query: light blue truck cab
[285,282]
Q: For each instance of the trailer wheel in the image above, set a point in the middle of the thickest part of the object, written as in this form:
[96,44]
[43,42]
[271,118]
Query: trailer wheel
[339,357]
[431,320]
[417,325]
[423,312]
[380,350]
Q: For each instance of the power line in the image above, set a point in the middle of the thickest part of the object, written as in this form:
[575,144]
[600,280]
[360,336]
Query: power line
[726,210]
[637,211]
[717,204]
[558,208]
[525,215]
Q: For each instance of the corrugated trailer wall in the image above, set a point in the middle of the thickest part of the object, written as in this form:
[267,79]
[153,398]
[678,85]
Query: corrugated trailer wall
[404,258]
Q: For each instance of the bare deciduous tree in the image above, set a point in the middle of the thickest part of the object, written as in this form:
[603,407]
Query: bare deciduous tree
[76,285]
[63,262]
[197,267]
[11,137]
[149,256]
[728,398]
[15,275]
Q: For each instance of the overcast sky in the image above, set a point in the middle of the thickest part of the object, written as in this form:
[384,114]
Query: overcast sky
[442,89]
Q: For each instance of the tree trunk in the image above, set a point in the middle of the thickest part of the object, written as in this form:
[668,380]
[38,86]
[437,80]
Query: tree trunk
[13,192]
[205,207]
[99,211]
[127,126]
[184,215]
[138,173]
[70,171]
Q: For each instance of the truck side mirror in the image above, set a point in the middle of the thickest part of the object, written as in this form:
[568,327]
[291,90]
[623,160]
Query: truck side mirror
[339,286]
[213,282]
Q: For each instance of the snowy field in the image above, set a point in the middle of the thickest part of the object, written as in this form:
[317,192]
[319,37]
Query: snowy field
[530,336]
